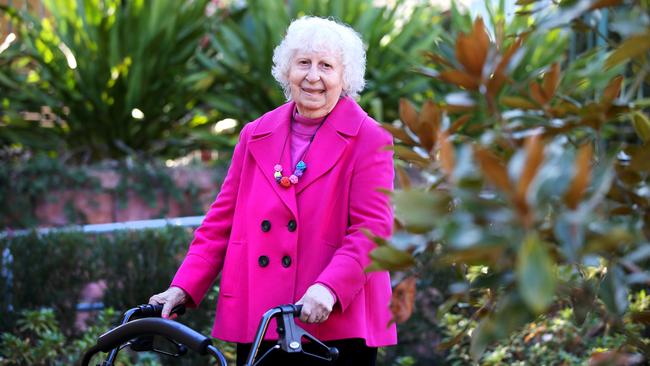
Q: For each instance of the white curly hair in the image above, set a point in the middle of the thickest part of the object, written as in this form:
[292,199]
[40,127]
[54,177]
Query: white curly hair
[310,33]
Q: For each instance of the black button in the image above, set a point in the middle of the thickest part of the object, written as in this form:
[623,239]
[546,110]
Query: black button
[266,225]
[286,261]
[292,225]
[263,261]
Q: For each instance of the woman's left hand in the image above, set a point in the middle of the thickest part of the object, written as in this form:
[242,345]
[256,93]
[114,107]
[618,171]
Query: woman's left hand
[317,304]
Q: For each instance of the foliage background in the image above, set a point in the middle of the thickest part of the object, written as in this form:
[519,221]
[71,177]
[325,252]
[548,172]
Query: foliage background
[522,214]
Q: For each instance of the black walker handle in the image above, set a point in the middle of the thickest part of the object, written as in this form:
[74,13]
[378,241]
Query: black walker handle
[155,326]
[290,335]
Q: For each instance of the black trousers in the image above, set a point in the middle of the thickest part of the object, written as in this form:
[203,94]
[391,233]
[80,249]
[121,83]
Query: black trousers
[352,352]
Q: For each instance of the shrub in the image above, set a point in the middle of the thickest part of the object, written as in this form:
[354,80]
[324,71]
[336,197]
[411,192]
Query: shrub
[532,168]
[238,58]
[108,96]
[134,265]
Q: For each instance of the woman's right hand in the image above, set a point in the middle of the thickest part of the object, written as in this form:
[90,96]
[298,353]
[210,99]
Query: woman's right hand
[169,299]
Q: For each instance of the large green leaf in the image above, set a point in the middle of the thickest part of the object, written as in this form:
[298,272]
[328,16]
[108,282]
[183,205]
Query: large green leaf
[419,210]
[536,274]
[613,291]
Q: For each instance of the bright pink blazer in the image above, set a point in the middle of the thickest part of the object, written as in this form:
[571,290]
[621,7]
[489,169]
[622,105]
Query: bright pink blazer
[336,198]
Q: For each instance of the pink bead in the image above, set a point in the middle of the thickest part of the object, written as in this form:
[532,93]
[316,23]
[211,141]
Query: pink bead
[293,179]
[277,168]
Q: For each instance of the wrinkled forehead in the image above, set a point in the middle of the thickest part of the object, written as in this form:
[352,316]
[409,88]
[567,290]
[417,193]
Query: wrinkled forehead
[323,41]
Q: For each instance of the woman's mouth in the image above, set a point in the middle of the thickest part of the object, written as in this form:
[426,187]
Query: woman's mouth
[313,91]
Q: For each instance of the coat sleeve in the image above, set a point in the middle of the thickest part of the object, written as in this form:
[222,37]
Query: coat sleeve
[369,209]
[204,259]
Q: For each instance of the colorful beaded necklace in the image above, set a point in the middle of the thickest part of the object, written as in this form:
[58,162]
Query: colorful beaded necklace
[301,166]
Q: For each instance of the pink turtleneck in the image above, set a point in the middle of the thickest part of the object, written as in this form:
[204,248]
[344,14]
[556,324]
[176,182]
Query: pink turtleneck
[302,129]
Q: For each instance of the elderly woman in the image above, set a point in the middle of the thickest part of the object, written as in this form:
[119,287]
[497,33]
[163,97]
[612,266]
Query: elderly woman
[306,180]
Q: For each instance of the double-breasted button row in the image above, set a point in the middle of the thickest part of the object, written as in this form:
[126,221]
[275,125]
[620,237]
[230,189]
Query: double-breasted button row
[263,261]
[266,225]
[291,225]
[286,261]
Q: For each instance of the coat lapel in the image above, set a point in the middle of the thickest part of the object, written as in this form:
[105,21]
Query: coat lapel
[331,140]
[266,146]
[325,151]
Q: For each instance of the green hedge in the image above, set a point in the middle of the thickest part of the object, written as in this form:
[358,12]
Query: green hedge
[51,270]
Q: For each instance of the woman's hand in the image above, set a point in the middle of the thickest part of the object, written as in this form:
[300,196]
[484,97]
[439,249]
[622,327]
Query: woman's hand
[317,304]
[171,298]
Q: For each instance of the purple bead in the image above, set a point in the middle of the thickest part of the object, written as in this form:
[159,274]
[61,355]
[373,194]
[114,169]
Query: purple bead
[298,173]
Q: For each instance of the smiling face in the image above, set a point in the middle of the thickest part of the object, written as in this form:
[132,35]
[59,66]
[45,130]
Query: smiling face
[315,81]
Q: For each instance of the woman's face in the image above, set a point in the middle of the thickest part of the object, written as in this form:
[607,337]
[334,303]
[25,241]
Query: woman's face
[316,82]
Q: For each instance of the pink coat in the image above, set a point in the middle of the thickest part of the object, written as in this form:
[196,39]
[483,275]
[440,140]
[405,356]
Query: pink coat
[271,243]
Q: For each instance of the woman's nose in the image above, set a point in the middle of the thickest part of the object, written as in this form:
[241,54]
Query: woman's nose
[312,75]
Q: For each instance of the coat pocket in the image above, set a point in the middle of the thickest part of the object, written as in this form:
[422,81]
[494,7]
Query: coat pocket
[232,268]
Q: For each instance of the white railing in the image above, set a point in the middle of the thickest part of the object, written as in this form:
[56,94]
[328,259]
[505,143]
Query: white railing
[114,226]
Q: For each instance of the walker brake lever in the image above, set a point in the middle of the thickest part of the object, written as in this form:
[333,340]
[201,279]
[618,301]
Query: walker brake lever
[291,334]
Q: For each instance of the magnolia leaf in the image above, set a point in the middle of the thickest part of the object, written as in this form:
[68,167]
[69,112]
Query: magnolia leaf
[403,300]
[630,48]
[408,114]
[398,133]
[437,59]
[612,90]
[471,49]
[498,77]
[551,81]
[403,178]
[389,258]
[457,108]
[536,274]
[460,122]
[489,255]
[582,176]
[570,231]
[417,210]
[582,301]
[518,102]
[493,169]
[640,159]
[534,157]
[608,242]
[537,93]
[604,3]
[641,125]
[447,155]
[483,335]
[409,155]
[460,78]
[613,291]
[429,122]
